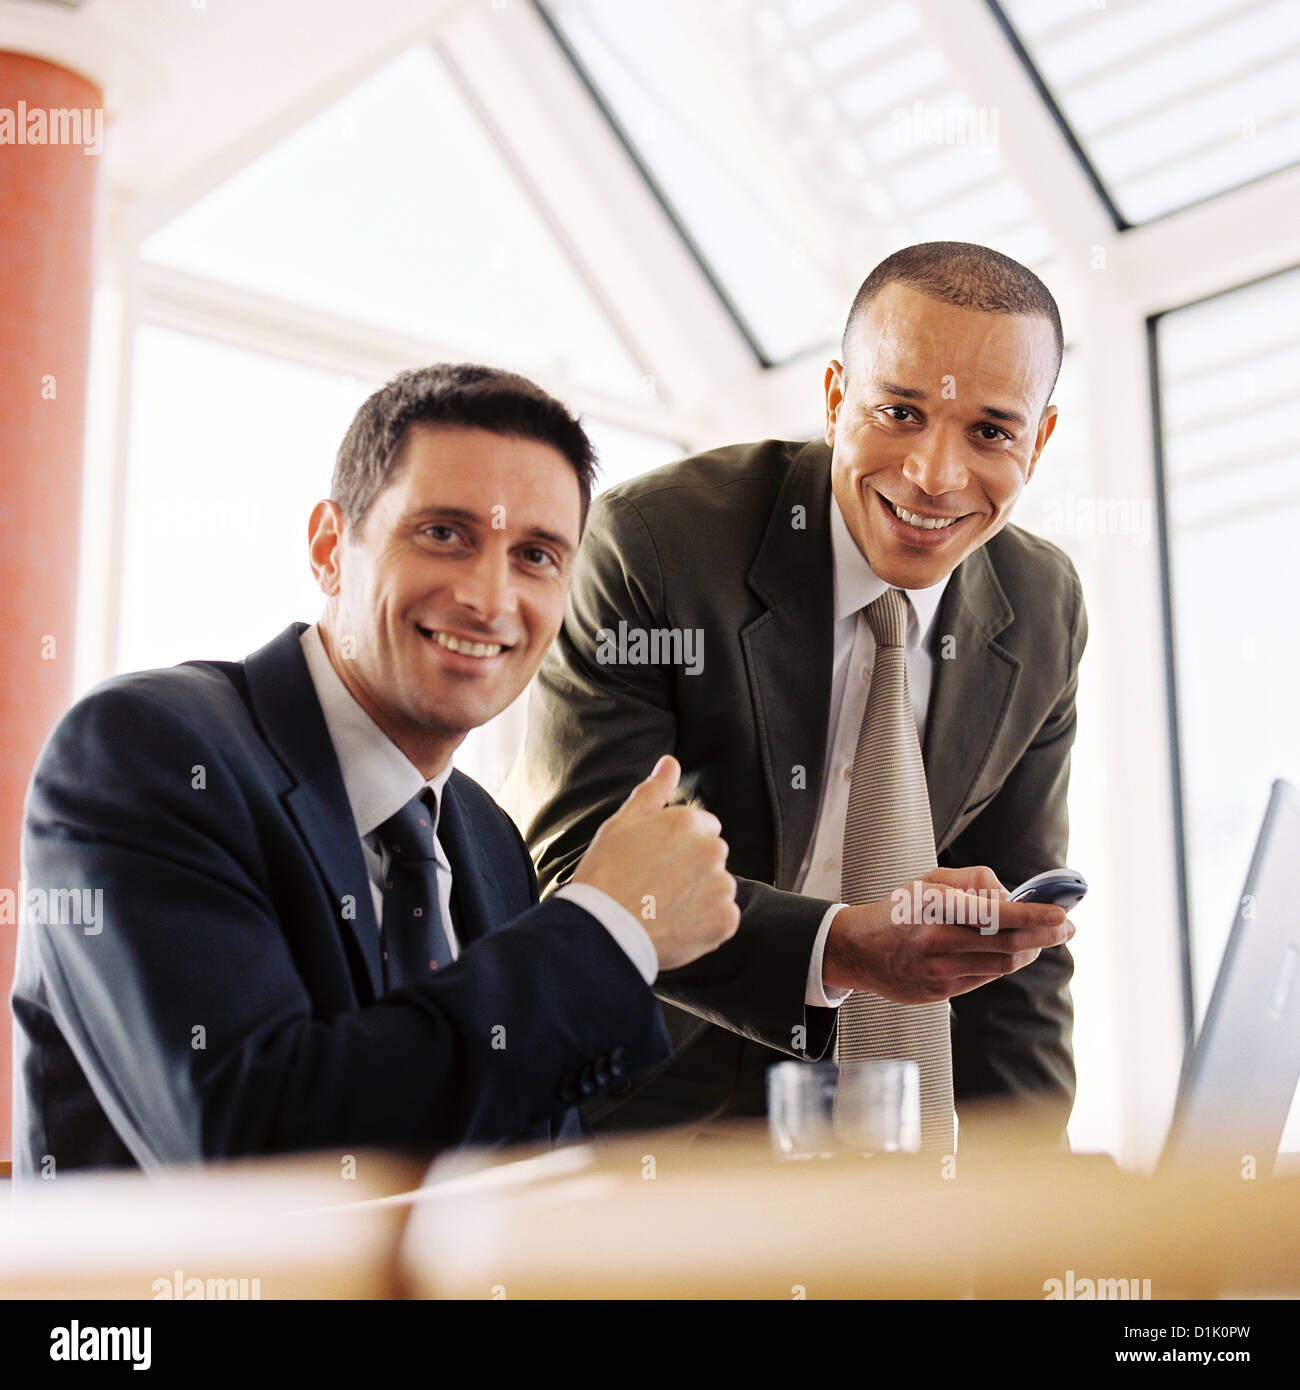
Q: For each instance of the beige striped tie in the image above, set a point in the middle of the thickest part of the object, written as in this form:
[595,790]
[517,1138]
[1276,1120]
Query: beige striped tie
[889,840]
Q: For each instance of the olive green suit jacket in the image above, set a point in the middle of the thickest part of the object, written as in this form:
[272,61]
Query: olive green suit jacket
[734,545]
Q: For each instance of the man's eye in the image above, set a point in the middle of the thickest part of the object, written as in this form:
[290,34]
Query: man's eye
[991,433]
[904,412]
[533,555]
[440,533]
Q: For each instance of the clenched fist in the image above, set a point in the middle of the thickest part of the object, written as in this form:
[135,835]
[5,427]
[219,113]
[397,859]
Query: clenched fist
[668,866]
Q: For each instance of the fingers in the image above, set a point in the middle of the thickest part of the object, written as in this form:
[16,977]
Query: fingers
[976,924]
[941,966]
[1047,927]
[690,822]
[724,914]
[990,964]
[967,943]
[1030,916]
[942,978]
[1037,938]
[965,983]
[978,879]
[652,794]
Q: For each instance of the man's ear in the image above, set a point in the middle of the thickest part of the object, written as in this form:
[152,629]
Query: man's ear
[1045,427]
[833,385]
[324,542]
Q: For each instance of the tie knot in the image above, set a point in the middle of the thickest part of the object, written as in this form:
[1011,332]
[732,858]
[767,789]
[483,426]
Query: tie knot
[887,618]
[408,834]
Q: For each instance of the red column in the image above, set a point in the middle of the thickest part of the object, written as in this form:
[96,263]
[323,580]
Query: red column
[47,193]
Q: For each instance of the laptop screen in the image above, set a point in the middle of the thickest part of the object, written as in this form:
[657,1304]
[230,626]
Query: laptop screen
[1240,1077]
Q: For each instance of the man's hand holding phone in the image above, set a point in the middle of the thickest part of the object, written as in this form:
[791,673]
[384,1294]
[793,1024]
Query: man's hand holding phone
[878,948]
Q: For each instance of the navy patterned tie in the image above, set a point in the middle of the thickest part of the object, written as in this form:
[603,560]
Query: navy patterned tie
[413,940]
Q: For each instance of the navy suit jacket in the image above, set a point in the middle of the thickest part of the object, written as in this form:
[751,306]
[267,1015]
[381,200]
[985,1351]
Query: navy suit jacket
[228,999]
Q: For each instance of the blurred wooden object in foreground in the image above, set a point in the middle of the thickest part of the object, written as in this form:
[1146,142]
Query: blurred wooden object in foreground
[657,1216]
[265,1228]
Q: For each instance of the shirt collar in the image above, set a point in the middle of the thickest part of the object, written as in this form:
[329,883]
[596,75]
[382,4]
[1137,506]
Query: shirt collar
[378,777]
[857,584]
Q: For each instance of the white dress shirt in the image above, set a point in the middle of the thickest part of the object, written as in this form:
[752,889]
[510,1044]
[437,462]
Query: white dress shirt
[380,779]
[854,655]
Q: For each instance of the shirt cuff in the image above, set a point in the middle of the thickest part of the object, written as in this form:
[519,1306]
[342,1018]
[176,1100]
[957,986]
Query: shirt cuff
[620,924]
[816,992]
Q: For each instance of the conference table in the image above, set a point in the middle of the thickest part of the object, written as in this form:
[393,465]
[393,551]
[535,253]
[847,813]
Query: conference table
[656,1215]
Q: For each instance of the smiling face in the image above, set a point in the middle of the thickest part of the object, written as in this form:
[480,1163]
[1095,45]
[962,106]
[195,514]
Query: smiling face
[935,429]
[442,603]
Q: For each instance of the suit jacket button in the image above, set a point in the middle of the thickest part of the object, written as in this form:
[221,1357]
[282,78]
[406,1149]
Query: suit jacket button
[568,1091]
[587,1082]
[602,1072]
[617,1062]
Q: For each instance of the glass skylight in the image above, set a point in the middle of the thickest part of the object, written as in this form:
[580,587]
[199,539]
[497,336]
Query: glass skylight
[1172,103]
[797,143]
[395,207]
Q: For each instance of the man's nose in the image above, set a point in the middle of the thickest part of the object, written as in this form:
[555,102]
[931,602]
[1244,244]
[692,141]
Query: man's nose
[485,586]
[934,463]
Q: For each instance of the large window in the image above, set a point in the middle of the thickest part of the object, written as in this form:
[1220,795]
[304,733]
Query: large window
[229,451]
[1229,372]
[394,207]
[1170,103]
[796,143]
[1061,504]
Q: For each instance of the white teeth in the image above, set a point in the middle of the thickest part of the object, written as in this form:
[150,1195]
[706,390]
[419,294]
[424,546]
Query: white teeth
[459,644]
[924,523]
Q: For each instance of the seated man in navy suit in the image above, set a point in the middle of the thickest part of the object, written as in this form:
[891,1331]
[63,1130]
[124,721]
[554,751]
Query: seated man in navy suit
[312,932]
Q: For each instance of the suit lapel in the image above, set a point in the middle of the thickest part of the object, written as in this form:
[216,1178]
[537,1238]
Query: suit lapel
[974,681]
[788,651]
[474,884]
[285,704]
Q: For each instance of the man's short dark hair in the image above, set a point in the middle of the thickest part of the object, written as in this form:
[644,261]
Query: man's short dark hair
[964,274]
[457,395]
